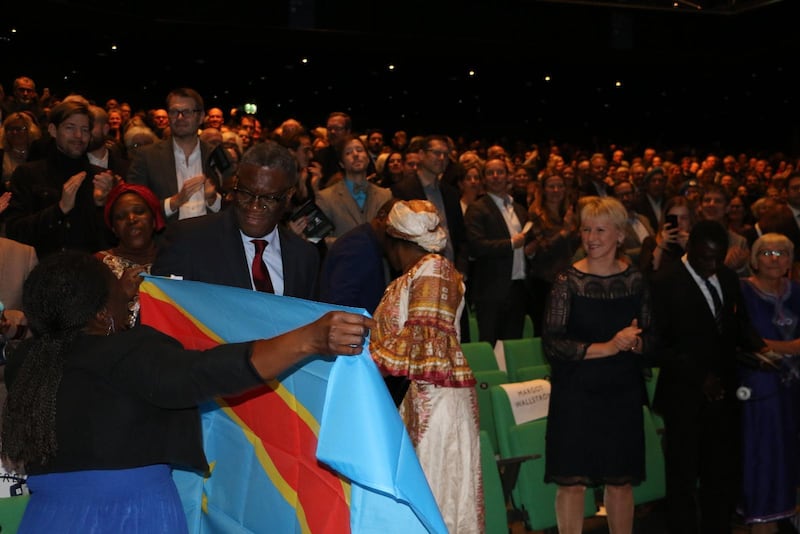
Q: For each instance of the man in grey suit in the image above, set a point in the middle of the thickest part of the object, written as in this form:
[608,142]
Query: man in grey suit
[495,238]
[352,200]
[220,248]
[179,169]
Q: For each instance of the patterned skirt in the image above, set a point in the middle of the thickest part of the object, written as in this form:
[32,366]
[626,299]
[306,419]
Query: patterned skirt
[443,425]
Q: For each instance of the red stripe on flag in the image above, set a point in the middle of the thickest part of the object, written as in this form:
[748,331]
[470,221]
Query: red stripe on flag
[288,440]
[173,322]
[292,445]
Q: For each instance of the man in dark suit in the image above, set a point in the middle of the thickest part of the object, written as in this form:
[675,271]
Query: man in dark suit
[338,126]
[374,149]
[425,184]
[354,272]
[702,322]
[652,197]
[598,182]
[103,152]
[494,234]
[56,202]
[179,169]
[220,248]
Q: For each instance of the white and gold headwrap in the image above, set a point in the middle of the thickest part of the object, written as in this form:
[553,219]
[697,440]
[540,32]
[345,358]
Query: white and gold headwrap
[417,221]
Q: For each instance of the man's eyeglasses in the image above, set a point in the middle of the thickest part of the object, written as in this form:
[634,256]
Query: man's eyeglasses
[245,198]
[16,129]
[174,113]
[437,153]
[775,253]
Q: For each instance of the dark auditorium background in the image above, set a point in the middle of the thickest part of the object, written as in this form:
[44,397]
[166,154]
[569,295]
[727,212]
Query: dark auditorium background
[703,75]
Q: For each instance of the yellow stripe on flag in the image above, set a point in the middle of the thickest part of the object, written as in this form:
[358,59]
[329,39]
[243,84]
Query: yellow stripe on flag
[280,483]
[158,294]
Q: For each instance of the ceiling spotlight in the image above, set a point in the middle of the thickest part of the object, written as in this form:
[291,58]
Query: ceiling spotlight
[391,67]
[304,60]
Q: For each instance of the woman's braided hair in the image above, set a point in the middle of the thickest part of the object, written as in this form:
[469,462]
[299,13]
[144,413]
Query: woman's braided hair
[61,295]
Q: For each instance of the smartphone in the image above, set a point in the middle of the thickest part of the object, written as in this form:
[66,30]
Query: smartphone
[672,220]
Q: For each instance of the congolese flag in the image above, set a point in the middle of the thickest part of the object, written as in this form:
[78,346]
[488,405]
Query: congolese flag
[322,450]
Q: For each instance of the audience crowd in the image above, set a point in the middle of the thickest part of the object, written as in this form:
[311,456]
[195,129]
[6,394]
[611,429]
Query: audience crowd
[134,187]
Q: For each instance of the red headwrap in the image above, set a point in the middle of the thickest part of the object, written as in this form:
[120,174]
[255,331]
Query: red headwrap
[143,191]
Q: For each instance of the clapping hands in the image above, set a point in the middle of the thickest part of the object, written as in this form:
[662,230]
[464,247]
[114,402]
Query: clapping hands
[628,339]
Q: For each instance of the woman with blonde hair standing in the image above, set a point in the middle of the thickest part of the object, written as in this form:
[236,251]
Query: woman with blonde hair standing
[597,326]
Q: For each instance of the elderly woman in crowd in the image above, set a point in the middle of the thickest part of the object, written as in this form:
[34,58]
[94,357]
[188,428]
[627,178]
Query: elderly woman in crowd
[596,328]
[418,336]
[770,421]
[98,414]
[133,213]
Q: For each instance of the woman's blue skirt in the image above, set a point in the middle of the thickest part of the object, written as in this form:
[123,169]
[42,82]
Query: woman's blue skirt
[140,500]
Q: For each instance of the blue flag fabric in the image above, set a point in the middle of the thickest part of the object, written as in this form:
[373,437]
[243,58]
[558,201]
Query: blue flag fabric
[343,401]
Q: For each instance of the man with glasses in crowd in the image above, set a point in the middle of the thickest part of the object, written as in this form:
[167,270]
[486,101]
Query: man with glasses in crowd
[338,127]
[178,169]
[244,245]
[426,184]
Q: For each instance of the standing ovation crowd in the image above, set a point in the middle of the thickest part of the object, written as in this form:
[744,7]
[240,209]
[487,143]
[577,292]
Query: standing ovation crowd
[625,259]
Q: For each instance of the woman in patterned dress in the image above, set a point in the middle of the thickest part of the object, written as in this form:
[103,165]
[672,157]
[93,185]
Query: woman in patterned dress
[133,213]
[418,337]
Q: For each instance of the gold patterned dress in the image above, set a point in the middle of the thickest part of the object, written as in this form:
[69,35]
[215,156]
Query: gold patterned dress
[118,266]
[418,336]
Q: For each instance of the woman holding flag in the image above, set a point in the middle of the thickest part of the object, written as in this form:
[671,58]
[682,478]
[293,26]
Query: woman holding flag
[97,414]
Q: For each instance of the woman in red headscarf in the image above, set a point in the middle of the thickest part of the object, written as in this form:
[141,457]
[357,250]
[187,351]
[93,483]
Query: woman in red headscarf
[133,213]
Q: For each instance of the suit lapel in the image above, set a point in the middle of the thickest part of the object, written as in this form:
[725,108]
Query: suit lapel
[289,261]
[696,299]
[373,191]
[232,244]
[169,175]
[522,214]
[348,203]
[497,215]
